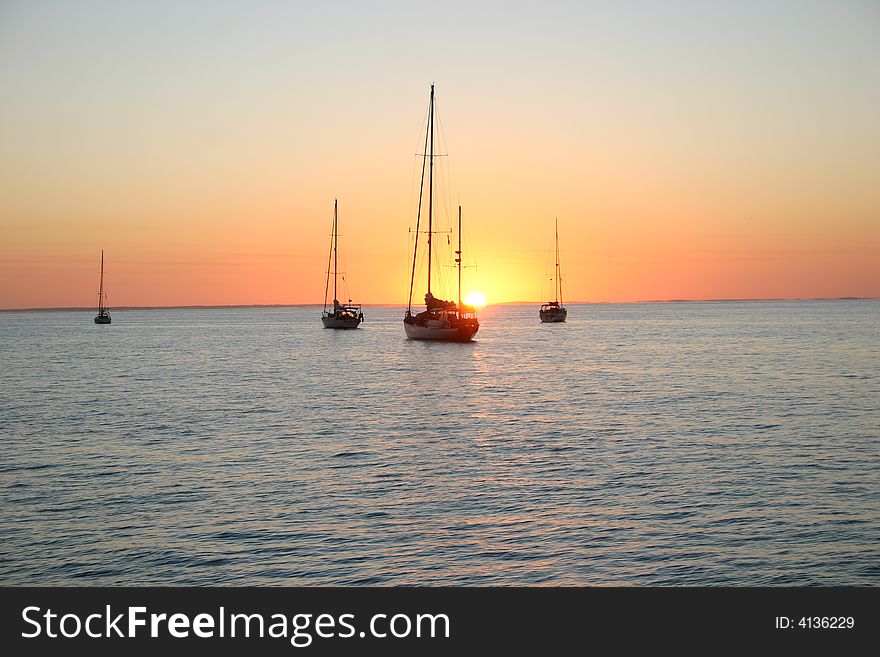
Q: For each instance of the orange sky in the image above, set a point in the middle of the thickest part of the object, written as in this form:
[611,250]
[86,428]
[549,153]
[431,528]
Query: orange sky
[691,152]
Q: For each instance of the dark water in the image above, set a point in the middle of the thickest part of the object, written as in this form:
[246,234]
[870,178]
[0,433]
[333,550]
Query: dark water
[672,444]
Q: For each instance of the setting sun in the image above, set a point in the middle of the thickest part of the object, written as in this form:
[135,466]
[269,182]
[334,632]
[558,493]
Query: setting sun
[477,299]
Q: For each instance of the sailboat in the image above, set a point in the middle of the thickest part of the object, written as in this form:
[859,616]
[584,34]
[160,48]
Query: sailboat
[343,316]
[553,311]
[103,316]
[441,320]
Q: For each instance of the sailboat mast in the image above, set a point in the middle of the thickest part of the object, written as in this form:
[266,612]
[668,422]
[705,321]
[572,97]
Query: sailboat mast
[335,244]
[101,287]
[558,275]
[430,187]
[412,278]
[458,259]
[329,261]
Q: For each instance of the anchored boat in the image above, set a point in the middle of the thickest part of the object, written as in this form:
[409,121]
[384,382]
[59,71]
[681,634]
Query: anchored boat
[448,321]
[103,316]
[342,316]
[554,312]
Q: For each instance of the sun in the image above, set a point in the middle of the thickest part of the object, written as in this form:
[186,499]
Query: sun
[477,299]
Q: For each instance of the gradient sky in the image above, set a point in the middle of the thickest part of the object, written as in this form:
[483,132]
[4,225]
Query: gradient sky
[690,150]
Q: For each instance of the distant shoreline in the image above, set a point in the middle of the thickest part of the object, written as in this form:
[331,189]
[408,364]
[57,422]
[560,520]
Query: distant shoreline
[392,305]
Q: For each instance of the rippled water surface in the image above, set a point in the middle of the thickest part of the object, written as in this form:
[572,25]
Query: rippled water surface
[671,444]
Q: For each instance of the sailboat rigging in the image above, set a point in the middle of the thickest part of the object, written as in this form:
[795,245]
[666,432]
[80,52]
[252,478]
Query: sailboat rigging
[554,312]
[103,316]
[441,320]
[343,316]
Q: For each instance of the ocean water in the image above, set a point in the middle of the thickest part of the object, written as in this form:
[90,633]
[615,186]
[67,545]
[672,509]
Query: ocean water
[639,444]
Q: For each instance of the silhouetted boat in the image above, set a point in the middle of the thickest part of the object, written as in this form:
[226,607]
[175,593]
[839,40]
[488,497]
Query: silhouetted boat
[343,316]
[103,316]
[553,311]
[441,320]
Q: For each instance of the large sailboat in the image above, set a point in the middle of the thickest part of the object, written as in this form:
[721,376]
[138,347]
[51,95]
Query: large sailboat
[342,316]
[103,316]
[553,311]
[449,321]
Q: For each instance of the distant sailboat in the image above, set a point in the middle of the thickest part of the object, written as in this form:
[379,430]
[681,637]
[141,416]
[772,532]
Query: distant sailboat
[103,316]
[343,316]
[553,311]
[441,320]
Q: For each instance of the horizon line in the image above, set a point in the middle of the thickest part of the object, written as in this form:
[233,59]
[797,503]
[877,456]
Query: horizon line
[388,305]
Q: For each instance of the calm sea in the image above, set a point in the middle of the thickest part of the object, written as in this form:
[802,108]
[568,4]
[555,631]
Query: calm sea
[644,444]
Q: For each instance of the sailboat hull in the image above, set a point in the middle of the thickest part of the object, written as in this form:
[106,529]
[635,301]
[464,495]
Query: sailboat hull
[445,334]
[102,319]
[341,322]
[553,316]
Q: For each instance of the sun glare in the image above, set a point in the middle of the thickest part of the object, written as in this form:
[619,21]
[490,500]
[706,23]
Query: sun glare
[477,299]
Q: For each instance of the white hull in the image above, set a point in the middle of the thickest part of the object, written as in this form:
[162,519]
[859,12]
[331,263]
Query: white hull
[447,334]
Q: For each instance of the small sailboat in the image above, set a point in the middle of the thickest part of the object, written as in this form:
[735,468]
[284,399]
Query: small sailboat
[553,311]
[441,320]
[343,316]
[103,316]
